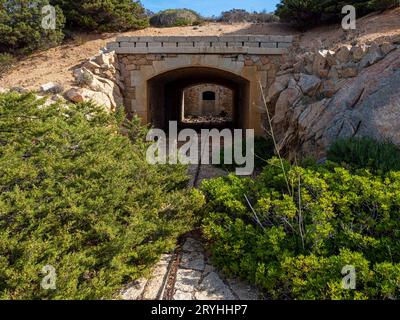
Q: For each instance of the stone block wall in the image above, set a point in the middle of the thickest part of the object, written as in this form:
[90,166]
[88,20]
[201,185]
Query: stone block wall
[247,44]
[194,104]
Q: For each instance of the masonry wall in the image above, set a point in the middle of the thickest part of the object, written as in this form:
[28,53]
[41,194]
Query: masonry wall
[195,105]
[137,69]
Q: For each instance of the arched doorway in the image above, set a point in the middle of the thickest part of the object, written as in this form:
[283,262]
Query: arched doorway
[166,95]
[208,105]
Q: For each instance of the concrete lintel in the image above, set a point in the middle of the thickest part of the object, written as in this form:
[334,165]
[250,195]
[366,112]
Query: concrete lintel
[143,48]
[132,50]
[123,38]
[267,51]
[145,39]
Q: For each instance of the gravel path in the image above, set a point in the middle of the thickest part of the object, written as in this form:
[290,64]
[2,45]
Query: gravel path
[188,273]
[194,278]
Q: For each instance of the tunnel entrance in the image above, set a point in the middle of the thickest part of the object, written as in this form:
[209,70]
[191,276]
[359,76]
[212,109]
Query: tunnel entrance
[207,105]
[198,98]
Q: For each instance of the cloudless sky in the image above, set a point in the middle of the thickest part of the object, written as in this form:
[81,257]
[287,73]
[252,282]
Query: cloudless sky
[211,7]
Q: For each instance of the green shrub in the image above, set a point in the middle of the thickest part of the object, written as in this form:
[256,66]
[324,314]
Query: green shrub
[309,13]
[107,15]
[78,195]
[263,151]
[176,18]
[366,152]
[240,15]
[21,28]
[294,241]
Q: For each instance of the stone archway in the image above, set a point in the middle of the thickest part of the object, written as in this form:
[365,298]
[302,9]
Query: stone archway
[165,94]
[155,70]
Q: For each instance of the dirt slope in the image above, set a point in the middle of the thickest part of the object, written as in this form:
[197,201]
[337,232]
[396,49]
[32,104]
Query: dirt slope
[56,64]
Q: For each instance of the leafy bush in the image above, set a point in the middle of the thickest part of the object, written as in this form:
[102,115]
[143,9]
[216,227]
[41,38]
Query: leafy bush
[21,28]
[176,18]
[78,195]
[297,230]
[240,15]
[309,13]
[106,15]
[263,151]
[366,152]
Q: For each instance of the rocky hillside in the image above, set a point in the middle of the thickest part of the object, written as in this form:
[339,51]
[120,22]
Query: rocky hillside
[348,90]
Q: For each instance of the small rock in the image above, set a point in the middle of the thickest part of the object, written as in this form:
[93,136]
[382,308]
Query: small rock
[387,48]
[92,66]
[285,101]
[105,59]
[330,57]
[77,95]
[180,295]
[333,74]
[134,290]
[374,55]
[277,87]
[358,52]
[83,77]
[187,280]
[192,245]
[243,290]
[2,90]
[349,70]
[213,288]
[343,54]
[192,260]
[51,87]
[328,88]
[319,62]
[309,84]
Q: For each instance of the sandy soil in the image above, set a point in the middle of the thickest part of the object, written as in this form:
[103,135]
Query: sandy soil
[57,63]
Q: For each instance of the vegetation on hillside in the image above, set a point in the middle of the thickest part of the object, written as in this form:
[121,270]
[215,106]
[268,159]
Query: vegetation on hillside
[21,28]
[79,196]
[240,15]
[298,232]
[176,18]
[309,13]
[107,15]
[366,153]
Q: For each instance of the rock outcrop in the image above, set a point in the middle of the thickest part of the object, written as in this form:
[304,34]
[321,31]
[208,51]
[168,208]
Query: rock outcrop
[98,81]
[353,91]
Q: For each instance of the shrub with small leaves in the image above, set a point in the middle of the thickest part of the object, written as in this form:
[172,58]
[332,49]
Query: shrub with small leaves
[78,195]
[21,29]
[292,232]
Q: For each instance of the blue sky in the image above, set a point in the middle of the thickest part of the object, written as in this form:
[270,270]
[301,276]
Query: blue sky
[211,7]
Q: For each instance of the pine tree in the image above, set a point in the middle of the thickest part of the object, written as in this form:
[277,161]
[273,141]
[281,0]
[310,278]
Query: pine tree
[21,29]
[104,15]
